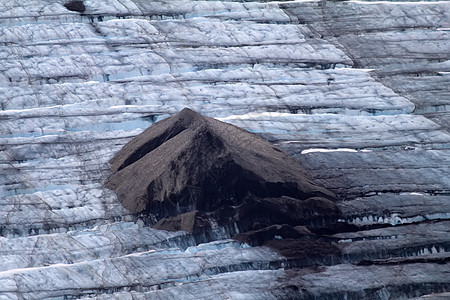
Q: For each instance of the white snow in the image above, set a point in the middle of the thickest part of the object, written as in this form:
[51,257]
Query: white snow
[333,81]
[333,150]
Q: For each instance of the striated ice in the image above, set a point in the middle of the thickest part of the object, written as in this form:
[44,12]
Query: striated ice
[357,91]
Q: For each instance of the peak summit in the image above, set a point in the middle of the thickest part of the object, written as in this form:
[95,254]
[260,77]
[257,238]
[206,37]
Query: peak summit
[193,162]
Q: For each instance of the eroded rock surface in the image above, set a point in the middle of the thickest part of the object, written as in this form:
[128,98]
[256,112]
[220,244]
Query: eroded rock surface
[190,162]
[189,171]
[75,5]
[357,91]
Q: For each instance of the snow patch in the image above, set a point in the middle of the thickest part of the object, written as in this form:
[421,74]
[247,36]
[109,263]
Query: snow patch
[313,150]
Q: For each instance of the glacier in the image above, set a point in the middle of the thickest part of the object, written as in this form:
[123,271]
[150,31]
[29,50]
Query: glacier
[357,91]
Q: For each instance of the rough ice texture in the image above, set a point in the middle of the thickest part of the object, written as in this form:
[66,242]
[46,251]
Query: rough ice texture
[367,76]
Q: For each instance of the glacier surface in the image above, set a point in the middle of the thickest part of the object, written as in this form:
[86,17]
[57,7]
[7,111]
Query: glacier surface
[357,91]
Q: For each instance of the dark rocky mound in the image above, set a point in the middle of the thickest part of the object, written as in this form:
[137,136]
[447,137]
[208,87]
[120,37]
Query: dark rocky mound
[75,5]
[192,222]
[292,242]
[189,169]
[190,162]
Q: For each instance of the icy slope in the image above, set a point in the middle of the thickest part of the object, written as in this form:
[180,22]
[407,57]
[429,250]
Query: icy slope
[366,79]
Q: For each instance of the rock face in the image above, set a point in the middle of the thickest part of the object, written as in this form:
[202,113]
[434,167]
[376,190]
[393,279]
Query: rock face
[357,91]
[190,164]
[75,5]
[193,222]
